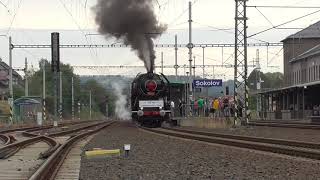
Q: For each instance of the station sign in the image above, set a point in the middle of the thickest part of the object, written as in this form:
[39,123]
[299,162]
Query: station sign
[207,83]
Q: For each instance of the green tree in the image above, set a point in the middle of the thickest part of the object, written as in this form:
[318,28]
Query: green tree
[81,91]
[269,80]
[18,91]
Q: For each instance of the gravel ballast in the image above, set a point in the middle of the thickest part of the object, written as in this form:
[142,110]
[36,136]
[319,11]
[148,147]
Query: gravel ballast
[306,135]
[160,157]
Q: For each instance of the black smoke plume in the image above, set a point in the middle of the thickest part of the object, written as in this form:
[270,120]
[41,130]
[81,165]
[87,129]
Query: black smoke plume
[132,21]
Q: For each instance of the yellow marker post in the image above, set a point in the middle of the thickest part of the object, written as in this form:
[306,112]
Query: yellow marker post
[102,153]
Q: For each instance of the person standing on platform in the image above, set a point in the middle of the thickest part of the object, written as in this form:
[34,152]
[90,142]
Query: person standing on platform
[195,108]
[211,108]
[172,108]
[216,107]
[200,106]
[181,108]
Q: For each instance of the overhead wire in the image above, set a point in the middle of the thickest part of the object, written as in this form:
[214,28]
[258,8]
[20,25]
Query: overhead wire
[265,17]
[289,7]
[5,6]
[77,24]
[287,22]
[182,13]
[14,17]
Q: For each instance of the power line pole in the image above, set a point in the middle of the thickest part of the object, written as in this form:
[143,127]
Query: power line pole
[240,64]
[72,97]
[10,99]
[222,56]
[184,71]
[176,55]
[55,65]
[203,62]
[194,67]
[190,46]
[26,88]
[258,81]
[90,104]
[10,68]
[213,76]
[44,90]
[162,62]
[60,95]
[79,110]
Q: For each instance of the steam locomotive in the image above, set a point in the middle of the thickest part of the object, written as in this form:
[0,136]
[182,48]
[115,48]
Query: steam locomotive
[150,99]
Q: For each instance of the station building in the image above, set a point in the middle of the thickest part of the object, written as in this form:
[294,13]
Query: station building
[300,93]
[4,80]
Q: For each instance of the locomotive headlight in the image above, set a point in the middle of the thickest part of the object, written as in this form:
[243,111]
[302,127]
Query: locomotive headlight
[162,113]
[151,85]
[140,113]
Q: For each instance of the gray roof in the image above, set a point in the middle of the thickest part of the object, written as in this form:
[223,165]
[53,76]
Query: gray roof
[290,87]
[309,53]
[6,66]
[313,31]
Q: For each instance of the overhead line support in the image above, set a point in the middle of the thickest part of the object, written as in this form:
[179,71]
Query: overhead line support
[214,45]
[240,63]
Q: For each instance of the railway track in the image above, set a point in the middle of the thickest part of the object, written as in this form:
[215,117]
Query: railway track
[285,124]
[37,148]
[291,148]
[51,167]
[34,137]
[6,139]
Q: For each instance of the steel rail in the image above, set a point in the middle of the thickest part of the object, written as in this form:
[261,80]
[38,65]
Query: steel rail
[287,150]
[49,169]
[252,139]
[73,130]
[35,128]
[7,139]
[285,125]
[11,149]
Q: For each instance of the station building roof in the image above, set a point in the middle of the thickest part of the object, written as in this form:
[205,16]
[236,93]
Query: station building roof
[313,31]
[315,51]
[268,91]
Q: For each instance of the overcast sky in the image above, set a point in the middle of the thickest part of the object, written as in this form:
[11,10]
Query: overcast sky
[31,21]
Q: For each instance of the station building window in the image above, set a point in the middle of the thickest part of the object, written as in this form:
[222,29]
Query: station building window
[314,72]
